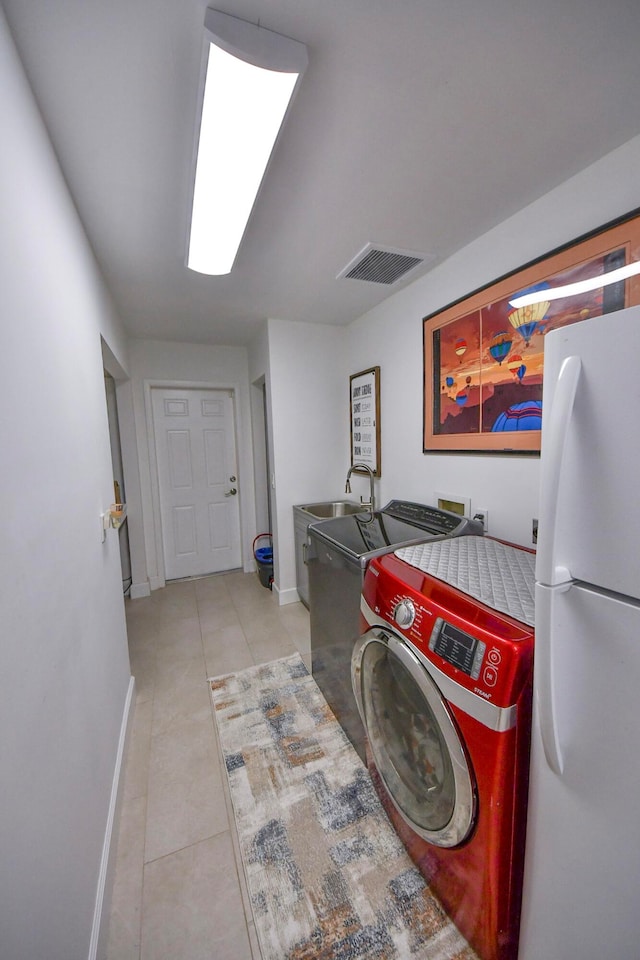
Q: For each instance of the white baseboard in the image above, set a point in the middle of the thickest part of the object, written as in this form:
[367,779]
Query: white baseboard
[285,596]
[102,909]
[139,590]
[157,583]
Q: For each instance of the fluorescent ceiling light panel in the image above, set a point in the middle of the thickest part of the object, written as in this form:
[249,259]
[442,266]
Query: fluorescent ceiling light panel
[251,75]
[580,286]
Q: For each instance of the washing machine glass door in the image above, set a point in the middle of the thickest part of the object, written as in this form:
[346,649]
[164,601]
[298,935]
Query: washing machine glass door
[414,739]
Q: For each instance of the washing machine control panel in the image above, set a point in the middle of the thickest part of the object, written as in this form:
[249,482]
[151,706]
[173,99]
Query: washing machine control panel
[457,648]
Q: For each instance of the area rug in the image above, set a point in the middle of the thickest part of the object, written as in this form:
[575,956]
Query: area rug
[327,876]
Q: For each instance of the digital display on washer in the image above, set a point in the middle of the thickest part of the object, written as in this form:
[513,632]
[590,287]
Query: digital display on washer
[457,648]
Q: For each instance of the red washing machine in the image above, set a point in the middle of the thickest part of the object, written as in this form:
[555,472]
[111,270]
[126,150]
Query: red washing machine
[443,679]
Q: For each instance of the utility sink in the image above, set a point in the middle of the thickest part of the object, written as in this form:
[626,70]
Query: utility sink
[332,508]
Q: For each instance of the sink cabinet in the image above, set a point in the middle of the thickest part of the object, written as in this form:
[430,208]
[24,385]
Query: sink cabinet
[301,521]
[303,515]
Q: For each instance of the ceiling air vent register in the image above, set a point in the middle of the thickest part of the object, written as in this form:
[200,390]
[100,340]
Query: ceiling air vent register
[377,264]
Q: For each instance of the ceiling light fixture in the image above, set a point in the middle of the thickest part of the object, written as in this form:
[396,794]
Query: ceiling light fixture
[249,77]
[580,286]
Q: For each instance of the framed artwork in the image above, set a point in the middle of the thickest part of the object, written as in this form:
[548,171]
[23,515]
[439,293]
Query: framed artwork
[483,356]
[364,412]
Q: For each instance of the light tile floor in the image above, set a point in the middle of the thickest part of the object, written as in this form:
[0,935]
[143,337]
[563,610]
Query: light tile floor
[179,890]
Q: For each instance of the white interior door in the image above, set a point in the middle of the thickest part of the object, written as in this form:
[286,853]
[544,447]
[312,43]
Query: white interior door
[197,477]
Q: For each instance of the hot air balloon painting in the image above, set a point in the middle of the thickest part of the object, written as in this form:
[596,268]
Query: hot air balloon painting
[520,416]
[514,362]
[500,346]
[526,319]
[491,342]
[460,347]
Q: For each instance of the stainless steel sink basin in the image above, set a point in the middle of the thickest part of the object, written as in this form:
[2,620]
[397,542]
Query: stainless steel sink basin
[332,508]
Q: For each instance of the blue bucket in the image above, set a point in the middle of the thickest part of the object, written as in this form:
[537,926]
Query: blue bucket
[264,555]
[264,559]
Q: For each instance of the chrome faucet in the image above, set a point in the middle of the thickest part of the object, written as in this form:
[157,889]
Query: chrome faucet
[347,489]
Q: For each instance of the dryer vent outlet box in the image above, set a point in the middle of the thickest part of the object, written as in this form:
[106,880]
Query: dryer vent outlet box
[386,265]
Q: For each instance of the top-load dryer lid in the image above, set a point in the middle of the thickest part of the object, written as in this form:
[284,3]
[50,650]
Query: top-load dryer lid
[401,522]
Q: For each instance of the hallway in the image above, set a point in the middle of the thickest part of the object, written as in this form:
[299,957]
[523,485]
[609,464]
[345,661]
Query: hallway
[179,890]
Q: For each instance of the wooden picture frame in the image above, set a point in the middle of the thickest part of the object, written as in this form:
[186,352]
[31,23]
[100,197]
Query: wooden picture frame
[483,359]
[364,417]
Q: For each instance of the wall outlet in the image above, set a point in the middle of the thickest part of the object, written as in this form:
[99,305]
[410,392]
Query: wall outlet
[534,531]
[483,516]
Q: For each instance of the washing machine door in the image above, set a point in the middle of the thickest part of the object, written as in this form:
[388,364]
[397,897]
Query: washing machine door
[414,739]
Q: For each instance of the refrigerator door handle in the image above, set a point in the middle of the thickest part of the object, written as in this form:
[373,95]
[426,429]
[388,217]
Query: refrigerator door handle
[545,693]
[556,433]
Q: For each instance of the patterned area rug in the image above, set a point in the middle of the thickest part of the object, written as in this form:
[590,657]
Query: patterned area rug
[328,878]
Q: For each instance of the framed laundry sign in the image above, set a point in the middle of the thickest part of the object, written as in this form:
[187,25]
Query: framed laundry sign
[483,355]
[364,412]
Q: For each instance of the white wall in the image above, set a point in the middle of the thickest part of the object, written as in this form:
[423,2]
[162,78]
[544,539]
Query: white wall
[154,362]
[309,404]
[63,654]
[391,336]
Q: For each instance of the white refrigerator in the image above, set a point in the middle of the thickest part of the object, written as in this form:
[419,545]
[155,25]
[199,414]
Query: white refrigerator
[581,898]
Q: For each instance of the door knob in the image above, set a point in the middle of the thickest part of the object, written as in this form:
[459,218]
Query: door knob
[231,493]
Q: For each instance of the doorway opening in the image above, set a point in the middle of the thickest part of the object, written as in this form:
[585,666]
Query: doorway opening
[119,495]
[261,456]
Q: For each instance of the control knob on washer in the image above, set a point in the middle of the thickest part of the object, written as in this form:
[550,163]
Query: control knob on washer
[404,613]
